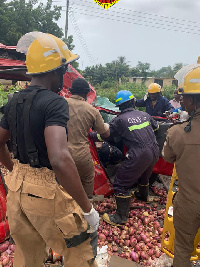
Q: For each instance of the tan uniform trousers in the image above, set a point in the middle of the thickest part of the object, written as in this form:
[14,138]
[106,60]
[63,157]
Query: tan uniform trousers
[186,220]
[85,167]
[42,215]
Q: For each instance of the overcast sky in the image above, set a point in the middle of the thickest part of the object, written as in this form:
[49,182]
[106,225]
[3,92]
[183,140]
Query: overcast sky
[160,32]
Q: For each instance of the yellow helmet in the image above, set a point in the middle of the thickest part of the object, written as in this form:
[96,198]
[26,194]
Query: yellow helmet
[191,84]
[44,52]
[154,88]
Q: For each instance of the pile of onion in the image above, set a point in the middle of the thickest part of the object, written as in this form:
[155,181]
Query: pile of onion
[6,254]
[139,240]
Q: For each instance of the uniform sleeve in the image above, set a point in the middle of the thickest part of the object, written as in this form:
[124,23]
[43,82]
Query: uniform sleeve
[168,105]
[167,152]
[114,129]
[99,125]
[140,103]
[57,112]
[154,123]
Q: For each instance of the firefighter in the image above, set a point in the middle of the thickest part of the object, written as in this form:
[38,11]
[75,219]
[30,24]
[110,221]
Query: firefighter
[83,116]
[155,103]
[182,147]
[135,129]
[46,204]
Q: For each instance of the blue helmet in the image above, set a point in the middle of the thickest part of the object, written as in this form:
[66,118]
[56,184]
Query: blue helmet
[122,97]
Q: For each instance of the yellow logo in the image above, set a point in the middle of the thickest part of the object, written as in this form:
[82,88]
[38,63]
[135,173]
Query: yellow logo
[106,3]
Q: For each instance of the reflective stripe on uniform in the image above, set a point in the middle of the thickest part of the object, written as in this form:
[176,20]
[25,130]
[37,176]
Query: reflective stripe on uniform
[139,126]
[156,129]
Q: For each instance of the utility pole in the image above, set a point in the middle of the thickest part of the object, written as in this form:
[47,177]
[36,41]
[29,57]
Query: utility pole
[66,21]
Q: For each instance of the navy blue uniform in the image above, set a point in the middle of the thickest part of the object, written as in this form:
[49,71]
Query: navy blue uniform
[136,130]
[162,105]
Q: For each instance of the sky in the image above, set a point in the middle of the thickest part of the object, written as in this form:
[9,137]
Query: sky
[159,32]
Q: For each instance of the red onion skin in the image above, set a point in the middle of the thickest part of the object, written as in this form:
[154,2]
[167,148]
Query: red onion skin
[102,237]
[127,243]
[134,256]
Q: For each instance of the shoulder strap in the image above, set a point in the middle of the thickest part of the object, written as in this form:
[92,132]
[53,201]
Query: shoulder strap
[12,119]
[30,146]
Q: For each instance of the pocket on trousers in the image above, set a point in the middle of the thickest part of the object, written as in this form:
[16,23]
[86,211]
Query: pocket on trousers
[72,224]
[38,206]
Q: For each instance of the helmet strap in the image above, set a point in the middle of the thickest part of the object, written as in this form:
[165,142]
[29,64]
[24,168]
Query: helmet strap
[188,127]
[62,71]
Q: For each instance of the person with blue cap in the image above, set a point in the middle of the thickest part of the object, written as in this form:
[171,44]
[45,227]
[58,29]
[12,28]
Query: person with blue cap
[135,129]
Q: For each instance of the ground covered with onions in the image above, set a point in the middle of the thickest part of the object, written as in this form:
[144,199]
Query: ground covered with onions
[139,240]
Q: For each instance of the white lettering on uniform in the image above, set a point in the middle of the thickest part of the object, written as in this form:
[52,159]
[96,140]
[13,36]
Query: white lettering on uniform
[135,120]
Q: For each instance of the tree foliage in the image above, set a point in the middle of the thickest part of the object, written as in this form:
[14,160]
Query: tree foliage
[111,72]
[19,17]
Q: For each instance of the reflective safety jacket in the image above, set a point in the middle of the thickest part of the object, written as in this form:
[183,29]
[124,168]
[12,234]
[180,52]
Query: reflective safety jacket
[135,129]
[162,105]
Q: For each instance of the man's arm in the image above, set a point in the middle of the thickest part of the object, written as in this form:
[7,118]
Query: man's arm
[167,151]
[168,106]
[64,166]
[5,158]
[140,103]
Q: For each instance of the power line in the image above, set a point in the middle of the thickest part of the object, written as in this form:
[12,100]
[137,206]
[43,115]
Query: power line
[78,32]
[150,20]
[155,21]
[142,23]
[143,13]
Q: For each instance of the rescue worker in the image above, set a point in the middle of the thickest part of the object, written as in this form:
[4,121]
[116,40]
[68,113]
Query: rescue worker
[83,116]
[155,103]
[135,129]
[182,147]
[46,203]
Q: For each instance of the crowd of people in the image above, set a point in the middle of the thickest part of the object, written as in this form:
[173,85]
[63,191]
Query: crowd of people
[51,175]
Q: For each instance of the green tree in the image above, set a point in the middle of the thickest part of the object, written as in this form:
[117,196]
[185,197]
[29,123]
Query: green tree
[143,69]
[19,17]
[69,42]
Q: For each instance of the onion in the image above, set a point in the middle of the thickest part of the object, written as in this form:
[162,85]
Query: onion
[151,252]
[115,248]
[127,243]
[5,261]
[102,237]
[4,246]
[144,255]
[134,256]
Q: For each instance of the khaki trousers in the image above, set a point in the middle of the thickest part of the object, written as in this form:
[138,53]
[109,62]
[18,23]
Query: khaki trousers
[186,220]
[85,167]
[42,215]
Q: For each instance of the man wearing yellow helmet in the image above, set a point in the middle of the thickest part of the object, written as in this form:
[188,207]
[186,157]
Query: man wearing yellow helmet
[182,147]
[155,103]
[46,204]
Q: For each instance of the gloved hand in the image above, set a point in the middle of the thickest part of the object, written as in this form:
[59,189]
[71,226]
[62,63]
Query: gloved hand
[92,218]
[93,136]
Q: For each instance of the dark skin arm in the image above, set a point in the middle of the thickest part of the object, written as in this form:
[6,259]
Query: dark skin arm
[5,158]
[64,166]
[106,134]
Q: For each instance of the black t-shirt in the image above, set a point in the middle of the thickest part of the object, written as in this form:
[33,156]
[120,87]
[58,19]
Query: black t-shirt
[47,109]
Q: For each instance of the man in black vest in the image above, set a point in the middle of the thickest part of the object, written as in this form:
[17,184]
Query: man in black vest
[46,203]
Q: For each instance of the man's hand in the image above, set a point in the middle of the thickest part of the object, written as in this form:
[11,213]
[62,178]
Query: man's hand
[92,218]
[93,136]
